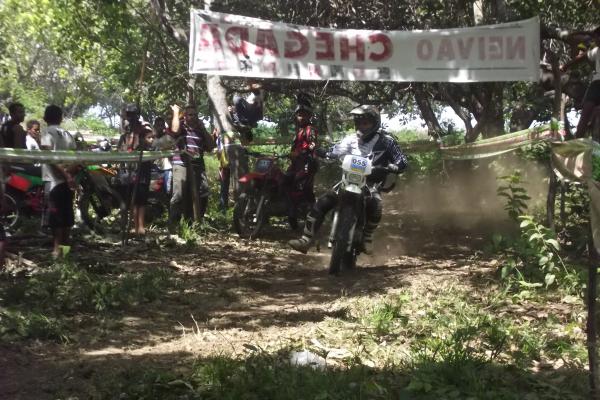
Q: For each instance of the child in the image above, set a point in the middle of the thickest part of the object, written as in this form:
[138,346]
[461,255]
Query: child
[140,197]
[58,181]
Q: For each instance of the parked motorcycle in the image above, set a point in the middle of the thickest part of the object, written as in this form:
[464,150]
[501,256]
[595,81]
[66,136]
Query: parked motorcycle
[266,195]
[101,207]
[346,235]
[23,196]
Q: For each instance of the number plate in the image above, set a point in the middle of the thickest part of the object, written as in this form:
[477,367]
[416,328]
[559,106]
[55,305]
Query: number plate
[358,164]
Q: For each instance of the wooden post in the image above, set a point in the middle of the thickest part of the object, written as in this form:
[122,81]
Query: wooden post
[592,332]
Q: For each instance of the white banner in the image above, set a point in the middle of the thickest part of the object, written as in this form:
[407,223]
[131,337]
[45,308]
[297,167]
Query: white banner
[232,45]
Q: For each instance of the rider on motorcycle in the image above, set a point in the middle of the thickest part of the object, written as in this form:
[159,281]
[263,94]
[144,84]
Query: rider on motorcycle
[368,141]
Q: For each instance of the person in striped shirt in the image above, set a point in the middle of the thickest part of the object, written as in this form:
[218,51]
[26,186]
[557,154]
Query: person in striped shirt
[190,183]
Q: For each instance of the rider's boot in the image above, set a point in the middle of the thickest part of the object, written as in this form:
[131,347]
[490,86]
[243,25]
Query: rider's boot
[307,240]
[367,243]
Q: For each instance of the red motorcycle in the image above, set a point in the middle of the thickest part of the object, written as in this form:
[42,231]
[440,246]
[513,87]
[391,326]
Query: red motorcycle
[101,207]
[269,192]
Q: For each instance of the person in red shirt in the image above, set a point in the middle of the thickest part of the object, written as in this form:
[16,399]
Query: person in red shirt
[305,141]
[303,167]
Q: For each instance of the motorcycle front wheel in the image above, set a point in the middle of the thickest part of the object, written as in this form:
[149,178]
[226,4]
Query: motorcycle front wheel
[341,256]
[248,215]
[103,211]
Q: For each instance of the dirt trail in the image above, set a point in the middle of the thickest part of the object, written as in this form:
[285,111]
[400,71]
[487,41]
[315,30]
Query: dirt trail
[237,292]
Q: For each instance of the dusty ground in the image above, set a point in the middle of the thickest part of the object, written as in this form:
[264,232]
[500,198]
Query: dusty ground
[236,293]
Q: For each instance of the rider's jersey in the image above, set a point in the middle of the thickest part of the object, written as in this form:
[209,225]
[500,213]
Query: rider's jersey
[383,149]
[305,140]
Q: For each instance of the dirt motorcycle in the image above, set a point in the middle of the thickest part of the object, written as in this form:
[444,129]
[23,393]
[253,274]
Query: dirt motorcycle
[99,205]
[349,217]
[267,194]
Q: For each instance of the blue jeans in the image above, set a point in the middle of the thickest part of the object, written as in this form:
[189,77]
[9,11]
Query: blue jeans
[167,175]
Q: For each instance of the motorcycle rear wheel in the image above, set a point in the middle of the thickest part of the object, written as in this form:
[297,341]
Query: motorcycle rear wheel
[104,211]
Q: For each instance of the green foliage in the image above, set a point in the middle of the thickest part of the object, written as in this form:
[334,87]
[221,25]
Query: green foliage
[265,131]
[189,231]
[36,308]
[515,195]
[92,124]
[262,376]
[533,258]
[32,325]
[425,164]
[446,345]
[596,164]
[385,315]
[542,248]
[538,151]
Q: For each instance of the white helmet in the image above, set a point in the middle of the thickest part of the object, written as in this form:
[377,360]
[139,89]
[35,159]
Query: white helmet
[370,112]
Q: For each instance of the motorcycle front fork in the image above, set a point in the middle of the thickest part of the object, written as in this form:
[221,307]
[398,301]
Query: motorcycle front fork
[333,229]
[259,208]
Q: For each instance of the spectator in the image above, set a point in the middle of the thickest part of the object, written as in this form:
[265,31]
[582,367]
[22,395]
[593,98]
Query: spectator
[140,197]
[247,111]
[190,184]
[32,141]
[592,95]
[13,134]
[58,182]
[130,139]
[164,141]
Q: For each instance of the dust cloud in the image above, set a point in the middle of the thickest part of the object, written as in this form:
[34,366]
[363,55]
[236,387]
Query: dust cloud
[460,208]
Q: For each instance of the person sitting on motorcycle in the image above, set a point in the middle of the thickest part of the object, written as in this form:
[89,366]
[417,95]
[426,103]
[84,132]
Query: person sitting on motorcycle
[303,166]
[368,141]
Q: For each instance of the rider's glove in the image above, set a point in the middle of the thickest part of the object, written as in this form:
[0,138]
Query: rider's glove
[393,168]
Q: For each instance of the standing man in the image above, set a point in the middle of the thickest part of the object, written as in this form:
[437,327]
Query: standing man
[58,181]
[190,184]
[591,98]
[13,134]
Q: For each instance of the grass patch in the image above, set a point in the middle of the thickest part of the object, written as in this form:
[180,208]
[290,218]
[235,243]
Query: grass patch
[44,306]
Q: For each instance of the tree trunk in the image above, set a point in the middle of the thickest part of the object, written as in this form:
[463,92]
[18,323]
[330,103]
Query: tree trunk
[463,114]
[235,154]
[421,97]
[486,106]
[218,98]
